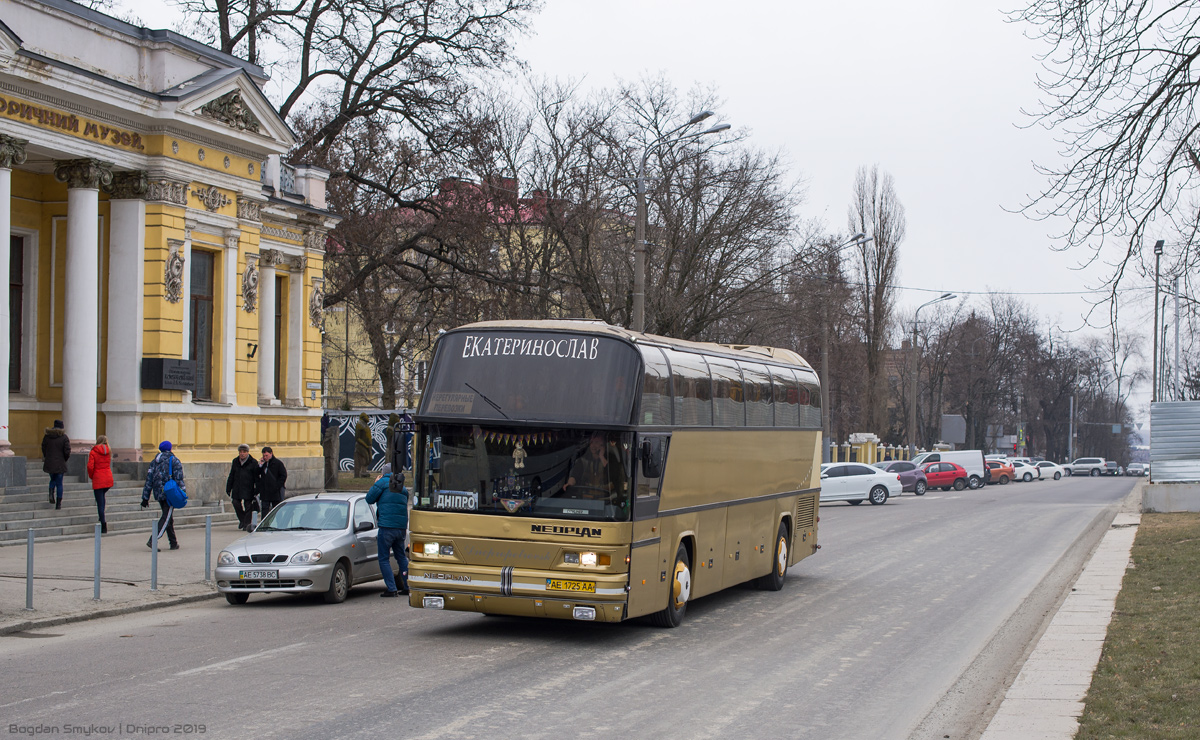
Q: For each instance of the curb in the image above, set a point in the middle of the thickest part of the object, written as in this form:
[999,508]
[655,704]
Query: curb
[117,611]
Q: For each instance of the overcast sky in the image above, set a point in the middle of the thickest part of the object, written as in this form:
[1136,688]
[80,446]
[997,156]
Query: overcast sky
[931,91]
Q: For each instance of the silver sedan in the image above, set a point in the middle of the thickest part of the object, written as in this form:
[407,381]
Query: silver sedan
[319,543]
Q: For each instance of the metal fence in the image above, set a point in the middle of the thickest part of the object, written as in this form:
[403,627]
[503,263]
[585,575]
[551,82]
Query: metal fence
[1175,442]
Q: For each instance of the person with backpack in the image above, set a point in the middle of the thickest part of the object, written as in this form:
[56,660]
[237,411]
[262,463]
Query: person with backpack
[392,508]
[165,468]
[242,485]
[272,478]
[99,470]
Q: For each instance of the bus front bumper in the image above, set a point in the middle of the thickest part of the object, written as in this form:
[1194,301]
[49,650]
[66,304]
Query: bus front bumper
[520,593]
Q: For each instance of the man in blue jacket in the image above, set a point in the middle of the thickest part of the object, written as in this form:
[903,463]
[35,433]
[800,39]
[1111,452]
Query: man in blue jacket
[392,511]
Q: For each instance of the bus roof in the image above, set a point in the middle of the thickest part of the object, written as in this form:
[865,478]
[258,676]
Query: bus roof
[593,326]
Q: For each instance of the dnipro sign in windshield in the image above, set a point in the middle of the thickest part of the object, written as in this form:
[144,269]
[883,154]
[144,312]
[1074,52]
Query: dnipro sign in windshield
[538,376]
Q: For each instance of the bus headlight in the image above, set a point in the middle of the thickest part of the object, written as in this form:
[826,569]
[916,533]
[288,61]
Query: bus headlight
[587,558]
[571,558]
[431,548]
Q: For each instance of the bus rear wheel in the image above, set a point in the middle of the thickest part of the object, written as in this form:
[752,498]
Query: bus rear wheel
[681,591]
[773,581]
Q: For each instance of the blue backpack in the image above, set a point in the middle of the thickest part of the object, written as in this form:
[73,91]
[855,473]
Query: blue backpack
[174,493]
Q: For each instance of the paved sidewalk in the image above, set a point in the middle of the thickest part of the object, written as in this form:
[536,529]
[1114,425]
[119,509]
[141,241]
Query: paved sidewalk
[1046,699]
[63,571]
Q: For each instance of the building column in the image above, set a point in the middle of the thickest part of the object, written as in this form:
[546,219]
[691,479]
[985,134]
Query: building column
[266,327]
[126,274]
[295,348]
[12,151]
[82,296]
[229,309]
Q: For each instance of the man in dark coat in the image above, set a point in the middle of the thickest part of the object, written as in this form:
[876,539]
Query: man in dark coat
[272,476]
[242,484]
[56,448]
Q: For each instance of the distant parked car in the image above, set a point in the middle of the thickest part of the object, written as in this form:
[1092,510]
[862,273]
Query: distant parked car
[1112,468]
[1024,471]
[1135,469]
[912,478]
[970,460]
[1051,470]
[946,475]
[1086,466]
[1000,472]
[856,482]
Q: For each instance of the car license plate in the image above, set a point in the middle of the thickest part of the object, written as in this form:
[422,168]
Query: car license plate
[554,584]
[259,575]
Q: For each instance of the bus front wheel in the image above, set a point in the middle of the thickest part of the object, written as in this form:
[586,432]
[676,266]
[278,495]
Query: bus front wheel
[681,591]
[773,581]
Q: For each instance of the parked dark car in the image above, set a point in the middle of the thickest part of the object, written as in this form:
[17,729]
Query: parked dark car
[1112,468]
[912,478]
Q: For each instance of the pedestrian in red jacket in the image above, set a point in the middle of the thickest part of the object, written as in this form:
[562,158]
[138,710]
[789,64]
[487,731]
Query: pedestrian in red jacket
[99,469]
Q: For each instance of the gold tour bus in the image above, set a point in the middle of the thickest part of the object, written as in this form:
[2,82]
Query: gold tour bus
[577,470]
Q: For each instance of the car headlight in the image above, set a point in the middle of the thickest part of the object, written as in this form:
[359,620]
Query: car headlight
[226,558]
[307,556]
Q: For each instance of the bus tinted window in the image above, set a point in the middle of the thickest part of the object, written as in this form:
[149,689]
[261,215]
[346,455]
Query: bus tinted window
[758,395]
[787,397]
[656,388]
[728,394]
[810,402]
[519,375]
[692,387]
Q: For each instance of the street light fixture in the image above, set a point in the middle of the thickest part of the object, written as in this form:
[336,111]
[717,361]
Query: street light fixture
[912,411]
[639,227]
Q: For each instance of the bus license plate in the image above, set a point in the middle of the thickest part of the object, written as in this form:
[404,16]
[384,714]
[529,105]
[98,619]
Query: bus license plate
[554,584]
[259,575]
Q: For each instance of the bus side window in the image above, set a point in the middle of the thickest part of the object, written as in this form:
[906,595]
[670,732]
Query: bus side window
[653,456]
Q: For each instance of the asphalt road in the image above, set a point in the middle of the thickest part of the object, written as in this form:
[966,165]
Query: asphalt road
[907,623]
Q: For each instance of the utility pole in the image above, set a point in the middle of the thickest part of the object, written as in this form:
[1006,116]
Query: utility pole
[1178,391]
[1158,250]
[1071,432]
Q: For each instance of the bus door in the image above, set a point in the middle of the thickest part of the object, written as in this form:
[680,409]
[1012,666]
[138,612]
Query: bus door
[647,585]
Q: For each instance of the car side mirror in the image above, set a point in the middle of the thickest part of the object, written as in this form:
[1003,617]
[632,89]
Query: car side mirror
[364,526]
[824,476]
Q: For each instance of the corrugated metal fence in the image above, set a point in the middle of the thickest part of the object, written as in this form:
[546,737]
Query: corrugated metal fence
[1175,441]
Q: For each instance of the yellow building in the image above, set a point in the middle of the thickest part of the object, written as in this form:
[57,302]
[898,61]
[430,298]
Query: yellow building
[163,285]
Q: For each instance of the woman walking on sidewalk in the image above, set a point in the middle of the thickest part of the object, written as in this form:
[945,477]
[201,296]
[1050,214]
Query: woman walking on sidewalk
[56,448]
[99,469]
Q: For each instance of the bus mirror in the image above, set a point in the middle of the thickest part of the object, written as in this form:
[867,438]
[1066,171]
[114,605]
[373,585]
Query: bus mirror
[651,459]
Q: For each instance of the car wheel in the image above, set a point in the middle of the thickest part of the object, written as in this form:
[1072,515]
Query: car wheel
[681,591]
[975,482]
[920,488]
[878,495]
[960,484]
[856,502]
[1028,477]
[1095,472]
[1069,473]
[773,581]
[236,599]
[1004,480]
[339,585]
[1057,476]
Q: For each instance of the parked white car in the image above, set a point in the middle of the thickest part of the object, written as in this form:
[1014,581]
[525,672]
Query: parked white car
[1023,471]
[970,460]
[856,482]
[1051,470]
[1087,466]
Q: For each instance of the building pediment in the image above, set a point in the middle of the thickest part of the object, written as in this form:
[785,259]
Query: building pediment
[10,44]
[229,99]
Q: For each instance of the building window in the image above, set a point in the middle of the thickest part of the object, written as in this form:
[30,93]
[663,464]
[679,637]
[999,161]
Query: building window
[200,343]
[16,301]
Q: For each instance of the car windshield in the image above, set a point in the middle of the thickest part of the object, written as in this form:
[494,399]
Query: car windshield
[306,515]
[551,473]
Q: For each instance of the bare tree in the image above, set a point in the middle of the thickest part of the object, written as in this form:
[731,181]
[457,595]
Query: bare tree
[876,210]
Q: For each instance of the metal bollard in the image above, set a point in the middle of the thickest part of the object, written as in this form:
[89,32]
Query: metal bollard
[207,548]
[96,578]
[29,573]
[154,556]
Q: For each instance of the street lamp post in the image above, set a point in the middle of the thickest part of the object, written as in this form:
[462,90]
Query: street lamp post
[639,226]
[1158,250]
[912,411]
[859,238]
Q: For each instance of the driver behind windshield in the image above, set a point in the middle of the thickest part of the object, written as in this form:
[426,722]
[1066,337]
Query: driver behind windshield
[598,473]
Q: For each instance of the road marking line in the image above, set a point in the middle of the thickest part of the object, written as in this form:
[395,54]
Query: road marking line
[225,664]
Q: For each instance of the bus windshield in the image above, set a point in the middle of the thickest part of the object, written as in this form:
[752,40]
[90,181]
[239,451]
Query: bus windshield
[510,471]
[539,376]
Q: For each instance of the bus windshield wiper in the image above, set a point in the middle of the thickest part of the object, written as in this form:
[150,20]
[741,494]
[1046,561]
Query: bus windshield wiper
[491,403]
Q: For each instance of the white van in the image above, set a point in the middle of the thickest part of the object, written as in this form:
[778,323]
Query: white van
[970,460]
